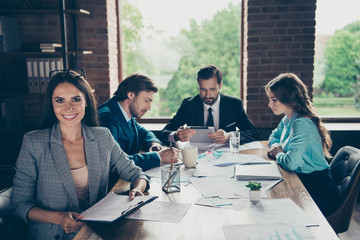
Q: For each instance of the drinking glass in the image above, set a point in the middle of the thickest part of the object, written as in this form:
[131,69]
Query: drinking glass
[234,142]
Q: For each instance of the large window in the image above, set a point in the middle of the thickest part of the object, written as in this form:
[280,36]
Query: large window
[337,58]
[170,40]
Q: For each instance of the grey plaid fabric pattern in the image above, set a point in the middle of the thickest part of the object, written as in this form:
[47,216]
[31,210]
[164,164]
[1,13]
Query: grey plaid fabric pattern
[43,176]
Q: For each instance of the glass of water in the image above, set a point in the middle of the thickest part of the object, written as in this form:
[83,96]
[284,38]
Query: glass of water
[234,142]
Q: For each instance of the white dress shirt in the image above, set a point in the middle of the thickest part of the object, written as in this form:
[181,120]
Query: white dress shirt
[216,116]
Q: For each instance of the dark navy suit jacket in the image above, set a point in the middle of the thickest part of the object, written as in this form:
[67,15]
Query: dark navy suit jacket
[232,115]
[130,140]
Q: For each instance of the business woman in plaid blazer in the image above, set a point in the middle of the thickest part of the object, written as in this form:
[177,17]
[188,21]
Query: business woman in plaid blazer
[64,168]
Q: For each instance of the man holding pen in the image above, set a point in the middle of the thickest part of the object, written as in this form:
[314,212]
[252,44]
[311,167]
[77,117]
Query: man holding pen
[132,100]
[210,108]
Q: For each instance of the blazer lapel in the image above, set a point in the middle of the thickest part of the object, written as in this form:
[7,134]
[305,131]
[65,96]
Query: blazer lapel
[135,140]
[92,158]
[123,123]
[61,163]
[199,113]
[222,115]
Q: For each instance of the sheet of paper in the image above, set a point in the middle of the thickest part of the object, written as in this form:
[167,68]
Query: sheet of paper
[233,204]
[204,202]
[205,186]
[111,207]
[267,231]
[267,211]
[160,211]
[246,146]
[209,156]
[223,159]
[225,187]
[205,166]
[282,210]
[232,159]
[185,173]
[207,169]
[251,145]
[233,188]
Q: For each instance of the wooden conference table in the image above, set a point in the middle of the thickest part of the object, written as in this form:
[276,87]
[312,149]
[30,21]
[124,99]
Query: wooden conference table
[205,222]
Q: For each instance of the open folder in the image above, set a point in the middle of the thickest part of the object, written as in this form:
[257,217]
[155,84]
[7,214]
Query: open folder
[113,207]
[258,172]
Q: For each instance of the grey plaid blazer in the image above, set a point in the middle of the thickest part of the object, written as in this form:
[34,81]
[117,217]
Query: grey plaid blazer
[43,176]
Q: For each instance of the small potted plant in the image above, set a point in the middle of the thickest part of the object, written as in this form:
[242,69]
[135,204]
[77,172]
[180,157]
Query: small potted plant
[255,192]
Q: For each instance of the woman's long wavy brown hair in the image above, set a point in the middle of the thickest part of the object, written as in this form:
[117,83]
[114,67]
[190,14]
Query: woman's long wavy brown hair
[291,91]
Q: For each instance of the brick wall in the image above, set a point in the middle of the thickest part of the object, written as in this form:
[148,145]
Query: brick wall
[97,32]
[279,37]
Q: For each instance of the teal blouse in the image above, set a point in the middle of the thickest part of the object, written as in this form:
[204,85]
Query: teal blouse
[301,142]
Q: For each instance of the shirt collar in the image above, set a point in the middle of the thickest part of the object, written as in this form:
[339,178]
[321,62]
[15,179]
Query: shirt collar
[126,116]
[215,106]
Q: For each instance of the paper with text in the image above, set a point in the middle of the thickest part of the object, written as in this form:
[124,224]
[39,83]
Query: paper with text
[161,212]
[113,206]
[267,231]
[282,210]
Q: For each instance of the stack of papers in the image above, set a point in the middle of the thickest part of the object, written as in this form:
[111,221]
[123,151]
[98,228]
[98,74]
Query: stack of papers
[258,172]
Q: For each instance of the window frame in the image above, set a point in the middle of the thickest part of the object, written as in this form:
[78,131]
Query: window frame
[164,120]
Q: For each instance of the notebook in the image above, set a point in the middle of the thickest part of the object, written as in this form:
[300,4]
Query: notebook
[258,172]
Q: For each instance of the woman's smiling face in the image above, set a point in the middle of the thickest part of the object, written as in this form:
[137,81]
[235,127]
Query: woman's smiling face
[69,104]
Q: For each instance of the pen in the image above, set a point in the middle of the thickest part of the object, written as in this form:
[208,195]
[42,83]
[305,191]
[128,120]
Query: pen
[131,207]
[202,155]
[171,167]
[171,179]
[230,124]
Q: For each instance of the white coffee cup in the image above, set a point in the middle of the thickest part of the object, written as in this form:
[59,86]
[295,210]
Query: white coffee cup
[189,155]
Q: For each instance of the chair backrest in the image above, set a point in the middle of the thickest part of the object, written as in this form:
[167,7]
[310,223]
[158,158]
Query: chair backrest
[345,170]
[5,211]
[11,227]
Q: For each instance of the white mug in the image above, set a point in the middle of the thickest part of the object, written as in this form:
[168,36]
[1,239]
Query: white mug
[189,156]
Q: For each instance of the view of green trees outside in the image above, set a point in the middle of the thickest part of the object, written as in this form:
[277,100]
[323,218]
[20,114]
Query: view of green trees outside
[212,41]
[339,92]
[172,61]
[337,71]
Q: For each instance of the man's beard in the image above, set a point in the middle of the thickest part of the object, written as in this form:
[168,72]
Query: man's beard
[210,103]
[134,113]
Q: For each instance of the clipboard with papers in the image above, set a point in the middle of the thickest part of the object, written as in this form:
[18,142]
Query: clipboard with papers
[202,134]
[113,207]
[258,172]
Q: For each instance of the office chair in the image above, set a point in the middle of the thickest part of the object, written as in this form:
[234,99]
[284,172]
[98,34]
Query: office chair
[5,212]
[11,227]
[345,170]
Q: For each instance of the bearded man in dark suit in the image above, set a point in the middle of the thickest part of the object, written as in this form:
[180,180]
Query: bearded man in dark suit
[210,108]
